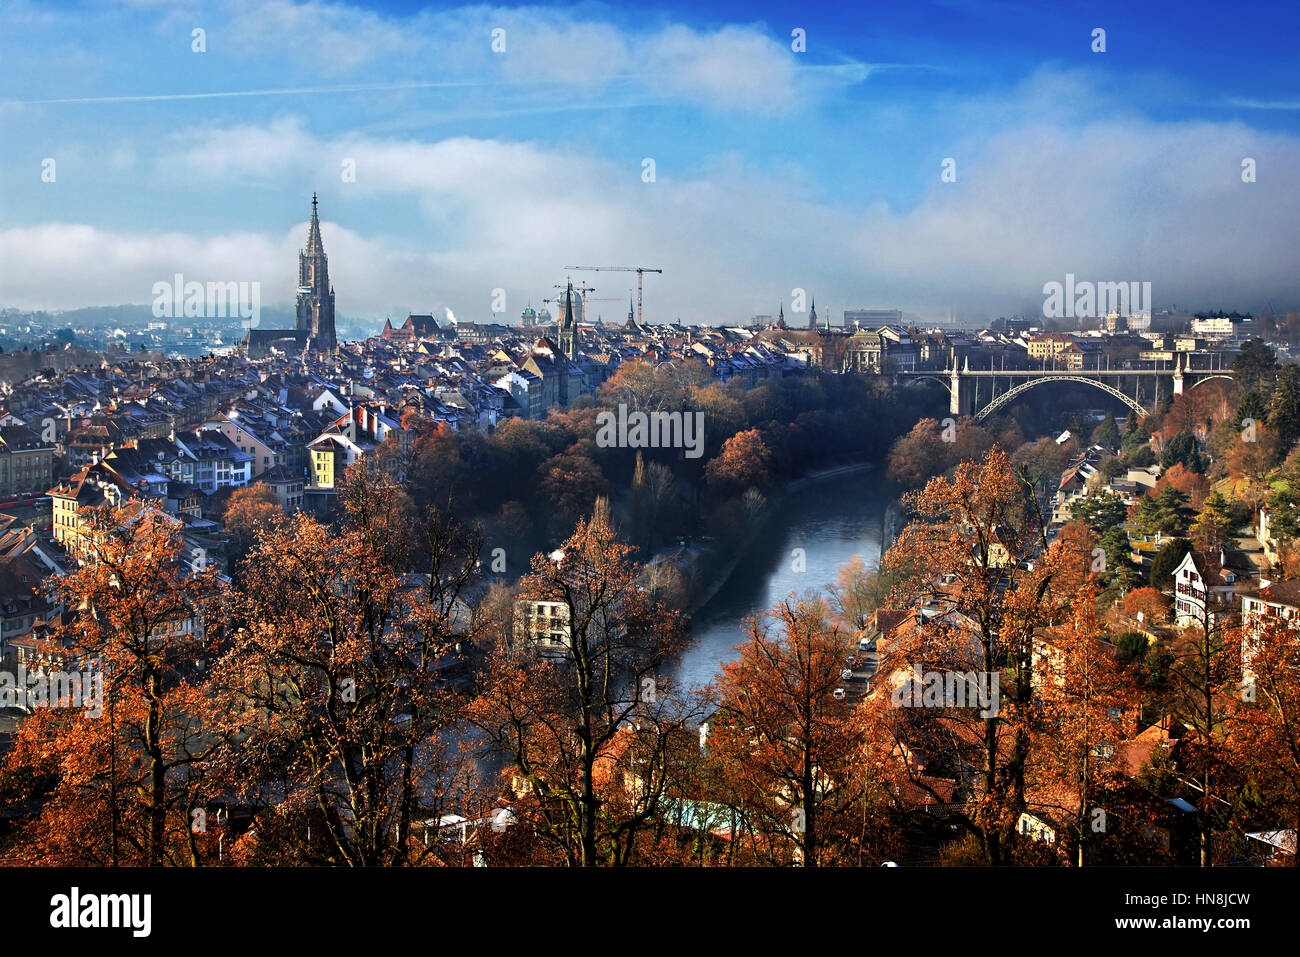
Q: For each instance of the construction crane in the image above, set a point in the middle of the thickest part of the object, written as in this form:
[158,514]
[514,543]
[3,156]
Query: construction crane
[582,289]
[639,270]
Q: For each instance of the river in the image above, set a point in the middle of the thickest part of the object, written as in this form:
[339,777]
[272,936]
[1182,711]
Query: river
[831,519]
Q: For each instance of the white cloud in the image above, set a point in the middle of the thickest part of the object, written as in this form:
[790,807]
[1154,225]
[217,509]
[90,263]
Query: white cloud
[330,38]
[1113,200]
[734,67]
[1053,177]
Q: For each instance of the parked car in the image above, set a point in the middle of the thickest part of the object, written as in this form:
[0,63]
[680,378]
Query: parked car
[851,661]
[838,694]
[846,674]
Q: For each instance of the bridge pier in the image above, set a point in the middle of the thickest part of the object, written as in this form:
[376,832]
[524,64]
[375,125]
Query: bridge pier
[961,392]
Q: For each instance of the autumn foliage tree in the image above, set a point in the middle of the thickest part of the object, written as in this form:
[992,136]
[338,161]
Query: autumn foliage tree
[1265,738]
[590,732]
[786,749]
[1205,676]
[1150,603]
[124,779]
[743,463]
[249,510]
[1083,698]
[333,698]
[962,552]
[931,447]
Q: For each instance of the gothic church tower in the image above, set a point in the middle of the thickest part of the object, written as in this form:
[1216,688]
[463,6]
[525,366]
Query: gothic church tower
[315,295]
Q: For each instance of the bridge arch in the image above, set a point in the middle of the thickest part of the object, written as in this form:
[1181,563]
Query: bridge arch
[1216,375]
[944,379]
[1028,384]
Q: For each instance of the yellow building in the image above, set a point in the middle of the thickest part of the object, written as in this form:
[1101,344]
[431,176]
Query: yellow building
[1048,345]
[94,486]
[328,461]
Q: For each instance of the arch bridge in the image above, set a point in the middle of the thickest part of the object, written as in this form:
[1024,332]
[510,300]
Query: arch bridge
[970,395]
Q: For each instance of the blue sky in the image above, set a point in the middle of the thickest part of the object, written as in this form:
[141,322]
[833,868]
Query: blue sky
[774,169]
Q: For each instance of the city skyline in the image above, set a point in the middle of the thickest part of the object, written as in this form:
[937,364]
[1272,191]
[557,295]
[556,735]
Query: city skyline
[774,170]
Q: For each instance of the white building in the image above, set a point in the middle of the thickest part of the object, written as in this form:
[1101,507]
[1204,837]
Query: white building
[1273,600]
[1205,587]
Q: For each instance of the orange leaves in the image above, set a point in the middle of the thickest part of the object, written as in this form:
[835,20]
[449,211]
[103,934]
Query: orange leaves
[785,748]
[744,462]
[592,731]
[1264,742]
[123,780]
[930,448]
[1150,603]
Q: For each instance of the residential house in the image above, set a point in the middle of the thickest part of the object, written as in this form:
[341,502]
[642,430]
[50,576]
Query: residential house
[1206,586]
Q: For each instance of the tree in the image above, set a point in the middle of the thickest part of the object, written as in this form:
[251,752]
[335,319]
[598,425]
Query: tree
[589,729]
[569,485]
[1164,512]
[1213,528]
[514,526]
[125,783]
[1254,368]
[961,552]
[1107,433]
[645,387]
[1139,457]
[1252,460]
[1265,739]
[651,497]
[787,750]
[1149,603]
[856,593]
[1192,486]
[917,455]
[1167,559]
[1080,690]
[1205,669]
[1100,510]
[1182,449]
[1252,406]
[744,462]
[1284,408]
[334,702]
[1042,462]
[248,511]
[433,467]
[1120,571]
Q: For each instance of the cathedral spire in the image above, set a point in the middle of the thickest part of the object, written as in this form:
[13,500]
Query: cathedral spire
[314,244]
[315,312]
[568,307]
[568,329]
